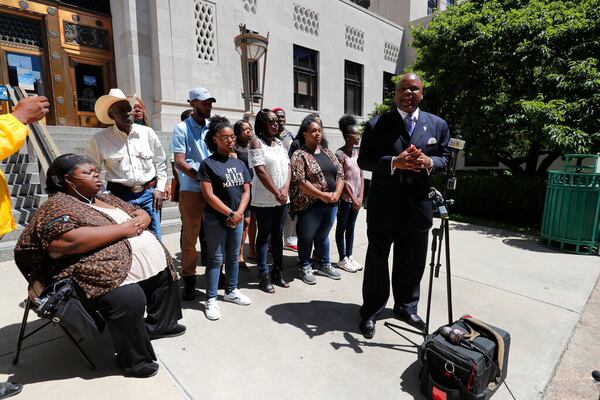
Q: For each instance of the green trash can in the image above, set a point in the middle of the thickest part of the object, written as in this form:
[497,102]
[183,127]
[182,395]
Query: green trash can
[571,220]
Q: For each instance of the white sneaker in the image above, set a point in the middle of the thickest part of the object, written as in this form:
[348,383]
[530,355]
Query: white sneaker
[237,297]
[358,266]
[346,265]
[211,309]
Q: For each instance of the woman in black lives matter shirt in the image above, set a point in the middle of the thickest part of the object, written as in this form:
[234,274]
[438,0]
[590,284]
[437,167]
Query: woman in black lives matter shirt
[225,185]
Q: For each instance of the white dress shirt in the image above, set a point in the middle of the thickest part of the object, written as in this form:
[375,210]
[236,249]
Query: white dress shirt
[415,116]
[132,159]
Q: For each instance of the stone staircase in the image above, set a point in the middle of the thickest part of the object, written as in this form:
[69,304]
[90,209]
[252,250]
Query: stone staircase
[23,180]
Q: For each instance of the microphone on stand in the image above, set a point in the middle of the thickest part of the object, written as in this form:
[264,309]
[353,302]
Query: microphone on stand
[455,144]
[455,336]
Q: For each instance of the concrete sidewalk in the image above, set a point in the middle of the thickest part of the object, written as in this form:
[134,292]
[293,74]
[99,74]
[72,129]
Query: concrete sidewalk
[303,342]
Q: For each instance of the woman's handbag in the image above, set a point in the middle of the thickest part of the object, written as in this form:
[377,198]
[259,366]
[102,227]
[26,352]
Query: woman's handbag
[65,304]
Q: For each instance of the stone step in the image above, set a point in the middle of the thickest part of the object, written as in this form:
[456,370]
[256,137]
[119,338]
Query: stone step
[25,189]
[19,168]
[28,201]
[170,213]
[14,235]
[23,178]
[7,248]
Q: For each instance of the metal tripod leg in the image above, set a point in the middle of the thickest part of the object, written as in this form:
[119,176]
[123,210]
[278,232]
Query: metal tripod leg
[448,272]
[22,331]
[439,234]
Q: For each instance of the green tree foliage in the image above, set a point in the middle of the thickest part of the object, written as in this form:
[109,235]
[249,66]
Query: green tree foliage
[518,79]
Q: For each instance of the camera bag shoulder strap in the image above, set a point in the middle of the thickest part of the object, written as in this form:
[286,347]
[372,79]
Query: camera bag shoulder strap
[477,324]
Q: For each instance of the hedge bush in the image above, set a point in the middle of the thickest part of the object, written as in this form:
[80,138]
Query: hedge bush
[498,196]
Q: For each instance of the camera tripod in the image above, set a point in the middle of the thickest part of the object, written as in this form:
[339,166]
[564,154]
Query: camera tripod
[440,234]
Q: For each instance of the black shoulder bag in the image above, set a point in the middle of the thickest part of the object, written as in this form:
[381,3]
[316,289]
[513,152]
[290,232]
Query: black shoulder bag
[64,303]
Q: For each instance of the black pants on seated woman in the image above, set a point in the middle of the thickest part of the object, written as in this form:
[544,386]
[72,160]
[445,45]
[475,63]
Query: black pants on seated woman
[103,243]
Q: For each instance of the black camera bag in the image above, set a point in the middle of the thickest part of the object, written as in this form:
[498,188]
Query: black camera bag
[65,303]
[472,370]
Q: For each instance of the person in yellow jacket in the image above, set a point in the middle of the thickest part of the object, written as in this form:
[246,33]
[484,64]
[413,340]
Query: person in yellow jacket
[12,136]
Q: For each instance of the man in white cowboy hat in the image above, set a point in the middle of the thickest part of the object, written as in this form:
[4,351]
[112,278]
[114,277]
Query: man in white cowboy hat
[131,154]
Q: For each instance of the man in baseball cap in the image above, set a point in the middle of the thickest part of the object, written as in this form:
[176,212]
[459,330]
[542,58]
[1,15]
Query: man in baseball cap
[201,94]
[189,150]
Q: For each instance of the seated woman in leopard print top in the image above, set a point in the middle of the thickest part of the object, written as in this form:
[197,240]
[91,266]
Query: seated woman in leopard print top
[103,242]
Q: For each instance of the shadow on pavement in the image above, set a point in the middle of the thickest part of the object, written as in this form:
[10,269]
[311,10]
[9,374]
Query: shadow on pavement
[529,244]
[410,381]
[317,317]
[48,355]
[489,232]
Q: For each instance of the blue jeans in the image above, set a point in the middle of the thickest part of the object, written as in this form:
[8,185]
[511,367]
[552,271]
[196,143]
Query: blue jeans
[346,219]
[145,200]
[269,221]
[314,224]
[221,243]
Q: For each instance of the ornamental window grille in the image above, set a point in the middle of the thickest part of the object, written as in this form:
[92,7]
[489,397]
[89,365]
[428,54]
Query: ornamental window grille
[204,15]
[19,30]
[306,20]
[391,51]
[355,38]
[249,6]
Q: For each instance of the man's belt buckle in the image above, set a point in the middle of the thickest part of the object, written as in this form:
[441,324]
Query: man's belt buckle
[137,188]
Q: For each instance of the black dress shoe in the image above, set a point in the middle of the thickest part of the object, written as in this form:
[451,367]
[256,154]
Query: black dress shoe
[265,283]
[596,375]
[177,330]
[411,319]
[277,277]
[189,287]
[145,371]
[367,327]
[8,389]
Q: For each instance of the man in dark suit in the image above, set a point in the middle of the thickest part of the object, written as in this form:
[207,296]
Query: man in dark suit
[402,148]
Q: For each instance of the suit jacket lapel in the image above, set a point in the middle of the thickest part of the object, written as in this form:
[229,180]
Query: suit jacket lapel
[401,127]
[420,128]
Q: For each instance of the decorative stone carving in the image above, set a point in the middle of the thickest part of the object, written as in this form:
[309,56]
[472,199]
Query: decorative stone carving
[391,51]
[204,15]
[355,38]
[306,20]
[249,5]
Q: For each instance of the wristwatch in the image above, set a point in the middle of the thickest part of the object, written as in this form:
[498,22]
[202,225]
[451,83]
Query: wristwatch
[231,214]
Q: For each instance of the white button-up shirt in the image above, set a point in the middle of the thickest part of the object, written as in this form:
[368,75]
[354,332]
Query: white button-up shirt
[132,159]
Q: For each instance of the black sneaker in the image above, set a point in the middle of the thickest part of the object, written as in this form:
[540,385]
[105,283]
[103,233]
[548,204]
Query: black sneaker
[145,371]
[177,330]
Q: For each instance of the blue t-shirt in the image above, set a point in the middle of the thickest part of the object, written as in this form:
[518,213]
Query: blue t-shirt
[227,176]
[188,138]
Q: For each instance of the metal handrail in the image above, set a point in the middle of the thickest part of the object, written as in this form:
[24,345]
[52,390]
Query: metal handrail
[43,145]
